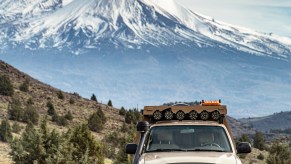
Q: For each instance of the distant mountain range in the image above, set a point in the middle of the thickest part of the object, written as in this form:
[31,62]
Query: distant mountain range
[281,120]
[145,52]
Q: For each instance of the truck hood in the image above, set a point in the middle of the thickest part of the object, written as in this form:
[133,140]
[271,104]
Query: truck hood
[189,158]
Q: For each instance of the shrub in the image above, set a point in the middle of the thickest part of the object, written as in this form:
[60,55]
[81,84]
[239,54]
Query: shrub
[51,109]
[122,111]
[29,101]
[6,87]
[86,148]
[259,142]
[60,95]
[62,121]
[24,87]
[95,123]
[71,101]
[69,116]
[44,146]
[5,131]
[30,115]
[261,156]
[16,127]
[15,111]
[279,154]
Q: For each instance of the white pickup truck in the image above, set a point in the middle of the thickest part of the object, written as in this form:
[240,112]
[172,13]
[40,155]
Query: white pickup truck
[185,141]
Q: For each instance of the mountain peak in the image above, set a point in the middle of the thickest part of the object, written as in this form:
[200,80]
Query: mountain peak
[78,24]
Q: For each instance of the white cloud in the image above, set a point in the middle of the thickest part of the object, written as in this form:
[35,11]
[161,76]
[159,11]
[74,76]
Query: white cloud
[261,15]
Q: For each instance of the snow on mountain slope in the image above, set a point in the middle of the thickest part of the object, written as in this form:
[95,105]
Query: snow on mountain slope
[76,24]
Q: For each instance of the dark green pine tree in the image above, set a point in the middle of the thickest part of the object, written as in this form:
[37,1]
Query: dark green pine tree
[51,109]
[93,97]
[259,142]
[5,131]
[6,87]
[95,123]
[109,103]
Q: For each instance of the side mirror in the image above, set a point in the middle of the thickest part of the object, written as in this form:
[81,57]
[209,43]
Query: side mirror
[143,126]
[244,147]
[130,148]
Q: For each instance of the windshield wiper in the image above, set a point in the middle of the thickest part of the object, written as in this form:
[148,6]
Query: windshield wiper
[166,150]
[213,150]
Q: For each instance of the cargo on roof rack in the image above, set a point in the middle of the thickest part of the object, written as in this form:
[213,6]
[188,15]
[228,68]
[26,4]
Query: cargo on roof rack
[206,110]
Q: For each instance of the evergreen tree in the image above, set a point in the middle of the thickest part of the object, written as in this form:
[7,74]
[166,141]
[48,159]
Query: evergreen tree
[5,131]
[101,115]
[129,117]
[259,142]
[244,138]
[122,111]
[30,115]
[51,109]
[95,123]
[29,148]
[87,149]
[15,111]
[6,87]
[46,147]
[24,87]
[93,97]
[109,103]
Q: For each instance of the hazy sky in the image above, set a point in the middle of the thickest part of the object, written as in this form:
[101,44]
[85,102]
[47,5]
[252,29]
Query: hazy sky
[261,15]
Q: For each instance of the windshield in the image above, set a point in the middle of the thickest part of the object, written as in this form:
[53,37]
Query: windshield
[188,138]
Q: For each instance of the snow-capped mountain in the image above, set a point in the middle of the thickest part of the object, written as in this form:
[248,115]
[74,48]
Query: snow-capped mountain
[91,24]
[146,52]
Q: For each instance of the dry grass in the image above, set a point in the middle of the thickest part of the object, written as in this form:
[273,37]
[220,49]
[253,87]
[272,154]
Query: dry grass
[253,157]
[5,158]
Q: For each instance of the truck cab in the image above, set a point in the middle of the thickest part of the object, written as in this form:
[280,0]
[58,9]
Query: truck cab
[174,136]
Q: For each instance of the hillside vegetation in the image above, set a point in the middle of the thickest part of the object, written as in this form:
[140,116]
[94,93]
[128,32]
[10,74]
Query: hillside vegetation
[28,101]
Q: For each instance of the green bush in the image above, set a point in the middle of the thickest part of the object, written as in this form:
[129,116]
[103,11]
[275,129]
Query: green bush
[45,146]
[24,87]
[95,123]
[132,116]
[62,121]
[69,116]
[30,115]
[16,128]
[71,101]
[279,154]
[60,95]
[51,109]
[122,111]
[6,87]
[15,112]
[259,141]
[5,131]
[261,156]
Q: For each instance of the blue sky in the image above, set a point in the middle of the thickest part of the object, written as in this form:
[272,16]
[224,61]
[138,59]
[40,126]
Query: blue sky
[267,16]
